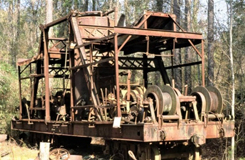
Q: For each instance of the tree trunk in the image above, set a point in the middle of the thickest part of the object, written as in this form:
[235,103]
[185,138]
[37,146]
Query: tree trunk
[94,5]
[187,54]
[49,14]
[232,80]
[16,30]
[210,78]
[159,5]
[177,54]
[195,29]
[159,8]
[85,6]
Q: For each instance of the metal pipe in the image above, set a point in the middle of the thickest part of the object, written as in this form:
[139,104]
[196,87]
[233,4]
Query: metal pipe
[46,75]
[19,77]
[117,76]
[170,117]
[203,65]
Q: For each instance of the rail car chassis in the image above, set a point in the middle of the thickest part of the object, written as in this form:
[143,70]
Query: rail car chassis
[91,62]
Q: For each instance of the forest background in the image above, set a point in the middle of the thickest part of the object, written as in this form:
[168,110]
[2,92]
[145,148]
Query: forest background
[222,23]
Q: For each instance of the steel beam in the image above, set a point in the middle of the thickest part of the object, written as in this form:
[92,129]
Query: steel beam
[46,75]
[157,33]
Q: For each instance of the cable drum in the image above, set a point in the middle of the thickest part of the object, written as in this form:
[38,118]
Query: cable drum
[213,98]
[164,100]
[216,100]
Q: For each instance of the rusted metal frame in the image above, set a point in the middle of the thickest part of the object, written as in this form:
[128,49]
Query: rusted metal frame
[92,87]
[95,41]
[33,96]
[139,68]
[109,12]
[139,61]
[89,32]
[56,52]
[172,58]
[203,65]
[194,47]
[21,71]
[55,44]
[123,44]
[183,65]
[20,99]
[145,71]
[57,70]
[117,75]
[46,74]
[138,26]
[162,69]
[171,130]
[71,64]
[32,91]
[157,14]
[91,67]
[83,58]
[157,33]
[128,91]
[58,38]
[55,22]
[93,63]
[101,32]
[97,27]
[87,13]
[143,21]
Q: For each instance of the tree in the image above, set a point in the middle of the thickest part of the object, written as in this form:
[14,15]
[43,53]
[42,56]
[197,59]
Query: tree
[232,77]
[177,55]
[188,77]
[49,14]
[210,78]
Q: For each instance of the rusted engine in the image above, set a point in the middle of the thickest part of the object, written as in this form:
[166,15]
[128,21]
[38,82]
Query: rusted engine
[81,85]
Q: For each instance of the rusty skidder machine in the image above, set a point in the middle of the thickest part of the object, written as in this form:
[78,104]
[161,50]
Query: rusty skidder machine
[96,97]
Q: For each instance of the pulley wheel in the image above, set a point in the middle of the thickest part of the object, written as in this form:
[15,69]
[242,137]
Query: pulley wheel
[206,94]
[155,93]
[133,96]
[201,102]
[167,90]
[140,90]
[216,98]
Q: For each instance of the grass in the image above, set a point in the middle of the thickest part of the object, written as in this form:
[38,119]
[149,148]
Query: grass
[16,152]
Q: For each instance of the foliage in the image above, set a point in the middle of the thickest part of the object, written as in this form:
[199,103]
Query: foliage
[8,95]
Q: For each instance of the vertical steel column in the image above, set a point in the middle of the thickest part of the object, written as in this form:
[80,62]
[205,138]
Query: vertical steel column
[117,76]
[203,65]
[145,63]
[145,70]
[19,77]
[71,64]
[46,75]
[32,100]
[172,59]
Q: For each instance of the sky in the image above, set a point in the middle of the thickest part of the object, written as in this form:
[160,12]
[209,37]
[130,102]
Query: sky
[220,10]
